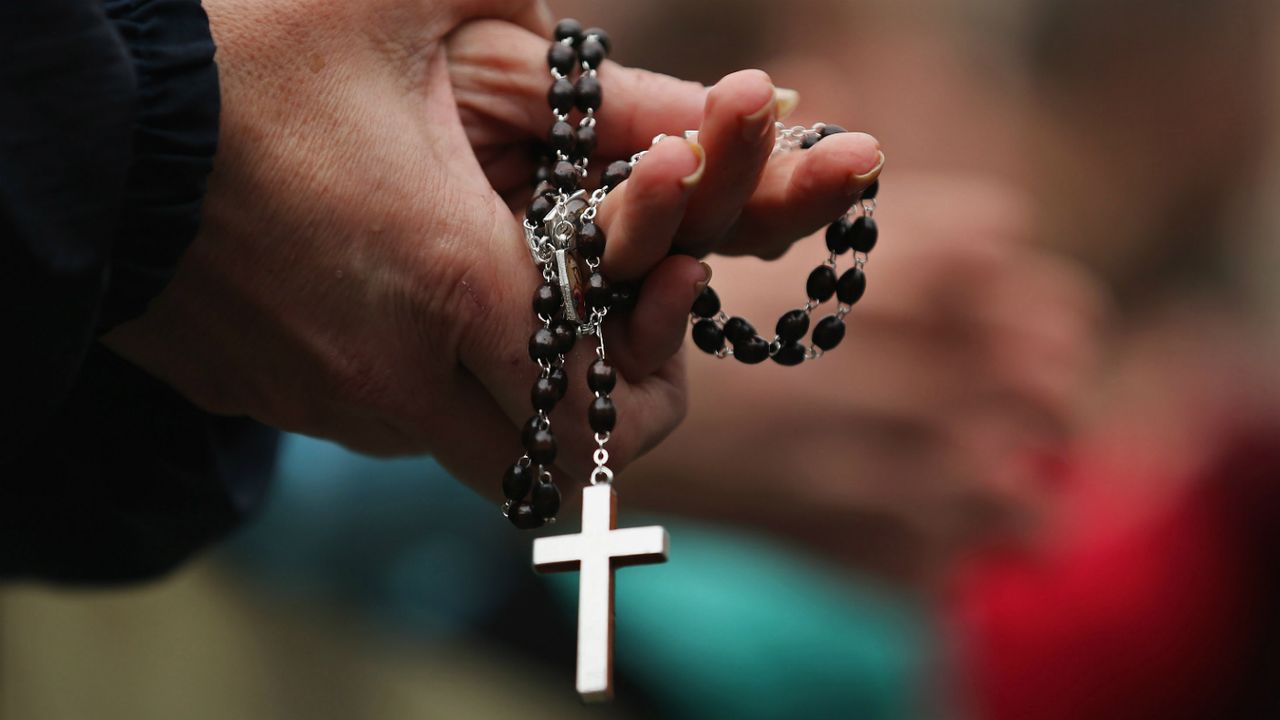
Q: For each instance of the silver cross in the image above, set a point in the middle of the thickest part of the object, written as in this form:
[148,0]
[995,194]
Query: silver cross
[595,552]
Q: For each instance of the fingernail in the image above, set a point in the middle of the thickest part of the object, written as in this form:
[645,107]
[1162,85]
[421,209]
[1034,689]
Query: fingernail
[753,124]
[692,179]
[706,279]
[858,182]
[785,101]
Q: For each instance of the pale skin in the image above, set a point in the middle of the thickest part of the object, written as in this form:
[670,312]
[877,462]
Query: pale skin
[360,273]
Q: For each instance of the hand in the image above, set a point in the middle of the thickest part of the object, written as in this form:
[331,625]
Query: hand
[965,361]
[358,275]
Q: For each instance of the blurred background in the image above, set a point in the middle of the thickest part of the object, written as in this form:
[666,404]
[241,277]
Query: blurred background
[1040,479]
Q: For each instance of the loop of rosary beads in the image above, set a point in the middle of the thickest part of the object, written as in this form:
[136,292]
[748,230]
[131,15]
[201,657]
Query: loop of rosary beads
[716,333]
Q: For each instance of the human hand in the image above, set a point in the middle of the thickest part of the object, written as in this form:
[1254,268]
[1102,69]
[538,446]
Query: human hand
[359,276]
[966,360]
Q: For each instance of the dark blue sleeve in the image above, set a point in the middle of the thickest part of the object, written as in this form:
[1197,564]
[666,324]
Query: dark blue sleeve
[108,130]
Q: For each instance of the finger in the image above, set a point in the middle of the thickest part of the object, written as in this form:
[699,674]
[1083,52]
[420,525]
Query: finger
[654,331]
[499,72]
[640,217]
[738,134]
[532,15]
[802,192]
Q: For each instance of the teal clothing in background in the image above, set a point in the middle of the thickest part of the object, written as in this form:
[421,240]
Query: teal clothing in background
[733,626]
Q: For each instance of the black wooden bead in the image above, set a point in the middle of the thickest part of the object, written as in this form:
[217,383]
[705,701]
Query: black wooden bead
[587,139]
[851,286]
[539,443]
[789,354]
[561,58]
[707,304]
[601,377]
[542,344]
[544,394]
[832,130]
[708,336]
[625,296]
[524,518]
[569,29]
[738,330]
[516,482]
[538,209]
[588,93]
[793,325]
[592,52]
[828,332]
[560,379]
[546,500]
[872,190]
[560,96]
[565,336]
[565,176]
[544,189]
[599,295]
[602,415]
[562,137]
[591,241]
[821,284]
[601,36]
[615,174]
[542,174]
[838,236]
[863,235]
[547,300]
[752,350]
[810,139]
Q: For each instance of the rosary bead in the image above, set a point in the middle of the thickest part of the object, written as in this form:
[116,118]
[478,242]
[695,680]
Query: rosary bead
[565,336]
[544,189]
[538,209]
[592,52]
[752,350]
[828,332]
[708,336]
[809,139]
[793,325]
[588,94]
[523,517]
[599,295]
[738,330]
[821,284]
[838,236]
[547,300]
[565,176]
[539,443]
[863,235]
[561,58]
[542,344]
[601,377]
[601,36]
[560,96]
[562,137]
[872,190]
[560,380]
[586,141]
[789,354]
[569,29]
[542,174]
[591,241]
[544,394]
[615,174]
[602,415]
[832,130]
[851,286]
[625,296]
[546,500]
[707,304]
[516,482]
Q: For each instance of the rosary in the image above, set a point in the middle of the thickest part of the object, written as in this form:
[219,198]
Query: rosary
[566,244]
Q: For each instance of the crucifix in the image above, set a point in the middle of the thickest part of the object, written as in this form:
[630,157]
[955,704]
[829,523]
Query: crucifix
[595,552]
